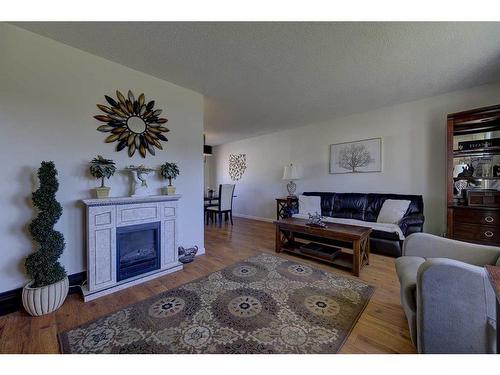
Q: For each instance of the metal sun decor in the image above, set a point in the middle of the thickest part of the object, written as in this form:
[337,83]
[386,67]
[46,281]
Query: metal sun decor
[133,123]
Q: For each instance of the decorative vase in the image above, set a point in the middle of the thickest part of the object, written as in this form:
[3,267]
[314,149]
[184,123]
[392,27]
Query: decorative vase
[102,192]
[170,190]
[44,300]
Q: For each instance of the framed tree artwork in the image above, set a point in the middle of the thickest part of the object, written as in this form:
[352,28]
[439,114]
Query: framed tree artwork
[356,157]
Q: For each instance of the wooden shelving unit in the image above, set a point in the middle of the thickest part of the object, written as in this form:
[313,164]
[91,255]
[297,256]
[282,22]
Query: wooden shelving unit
[478,224]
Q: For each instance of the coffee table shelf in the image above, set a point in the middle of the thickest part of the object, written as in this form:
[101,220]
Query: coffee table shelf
[353,255]
[341,258]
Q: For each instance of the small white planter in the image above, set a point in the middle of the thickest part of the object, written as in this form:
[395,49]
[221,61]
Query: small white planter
[102,192]
[44,300]
[169,190]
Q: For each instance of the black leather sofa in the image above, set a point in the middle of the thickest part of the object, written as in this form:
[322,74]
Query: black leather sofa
[366,207]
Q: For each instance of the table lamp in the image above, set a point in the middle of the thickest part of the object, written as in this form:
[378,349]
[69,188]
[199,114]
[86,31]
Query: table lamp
[290,173]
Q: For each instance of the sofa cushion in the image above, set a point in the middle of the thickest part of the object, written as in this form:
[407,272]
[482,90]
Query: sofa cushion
[350,206]
[376,200]
[392,211]
[309,205]
[327,200]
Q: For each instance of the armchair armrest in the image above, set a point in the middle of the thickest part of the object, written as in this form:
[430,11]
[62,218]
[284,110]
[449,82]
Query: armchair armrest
[455,308]
[414,220]
[430,246]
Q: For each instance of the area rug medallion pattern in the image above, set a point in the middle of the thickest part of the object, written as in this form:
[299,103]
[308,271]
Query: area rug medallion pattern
[264,304]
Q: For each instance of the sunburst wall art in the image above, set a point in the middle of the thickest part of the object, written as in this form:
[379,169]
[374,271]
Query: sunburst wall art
[132,123]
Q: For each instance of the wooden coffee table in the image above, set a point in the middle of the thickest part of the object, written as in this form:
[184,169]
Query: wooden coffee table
[343,245]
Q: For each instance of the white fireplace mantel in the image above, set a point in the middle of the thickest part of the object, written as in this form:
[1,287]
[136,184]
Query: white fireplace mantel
[104,216]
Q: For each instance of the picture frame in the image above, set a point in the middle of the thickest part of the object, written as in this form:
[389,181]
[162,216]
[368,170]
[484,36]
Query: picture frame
[363,156]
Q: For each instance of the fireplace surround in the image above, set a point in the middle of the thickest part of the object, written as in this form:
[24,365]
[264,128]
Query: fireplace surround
[129,240]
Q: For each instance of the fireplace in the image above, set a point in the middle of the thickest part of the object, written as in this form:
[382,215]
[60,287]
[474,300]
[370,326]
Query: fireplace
[138,249]
[130,240]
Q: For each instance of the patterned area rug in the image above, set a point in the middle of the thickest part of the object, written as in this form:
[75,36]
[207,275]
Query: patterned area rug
[264,304]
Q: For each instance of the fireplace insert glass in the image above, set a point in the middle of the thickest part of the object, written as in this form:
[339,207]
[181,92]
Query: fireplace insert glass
[138,249]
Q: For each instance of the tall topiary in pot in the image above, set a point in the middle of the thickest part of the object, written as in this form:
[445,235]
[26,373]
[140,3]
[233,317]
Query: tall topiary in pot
[102,168]
[49,285]
[169,171]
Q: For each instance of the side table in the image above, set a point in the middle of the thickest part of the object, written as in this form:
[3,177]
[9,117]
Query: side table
[285,207]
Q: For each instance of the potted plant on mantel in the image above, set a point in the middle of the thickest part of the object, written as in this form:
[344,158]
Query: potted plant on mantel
[100,168]
[169,171]
[49,284]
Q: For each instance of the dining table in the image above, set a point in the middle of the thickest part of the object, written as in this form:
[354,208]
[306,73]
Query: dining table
[213,200]
[210,201]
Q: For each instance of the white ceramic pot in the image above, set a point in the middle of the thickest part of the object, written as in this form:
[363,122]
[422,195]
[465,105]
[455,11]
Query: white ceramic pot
[102,192]
[44,300]
[170,190]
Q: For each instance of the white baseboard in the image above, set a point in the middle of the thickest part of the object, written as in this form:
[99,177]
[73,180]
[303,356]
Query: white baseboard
[253,217]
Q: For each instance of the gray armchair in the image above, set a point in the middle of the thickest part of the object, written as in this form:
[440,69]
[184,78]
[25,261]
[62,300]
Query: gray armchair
[446,296]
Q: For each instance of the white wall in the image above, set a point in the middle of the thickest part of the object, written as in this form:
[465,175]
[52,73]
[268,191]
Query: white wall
[48,95]
[414,155]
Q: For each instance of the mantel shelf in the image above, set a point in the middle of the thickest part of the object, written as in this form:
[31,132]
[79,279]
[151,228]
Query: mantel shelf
[130,200]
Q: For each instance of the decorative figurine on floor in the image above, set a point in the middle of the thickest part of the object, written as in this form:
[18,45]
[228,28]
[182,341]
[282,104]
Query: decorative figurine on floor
[316,220]
[187,255]
[140,174]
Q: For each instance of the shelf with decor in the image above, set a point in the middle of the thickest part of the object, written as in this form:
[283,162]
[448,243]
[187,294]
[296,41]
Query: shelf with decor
[475,178]
[473,175]
[478,152]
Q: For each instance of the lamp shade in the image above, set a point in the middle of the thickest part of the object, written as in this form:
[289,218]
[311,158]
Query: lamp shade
[290,172]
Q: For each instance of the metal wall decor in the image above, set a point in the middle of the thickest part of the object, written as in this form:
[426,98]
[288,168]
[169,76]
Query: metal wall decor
[237,166]
[133,123]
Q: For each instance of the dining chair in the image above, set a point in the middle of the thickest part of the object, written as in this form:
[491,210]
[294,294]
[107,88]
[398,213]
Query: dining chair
[224,206]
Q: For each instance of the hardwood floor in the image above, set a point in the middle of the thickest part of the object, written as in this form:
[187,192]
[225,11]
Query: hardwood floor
[382,327]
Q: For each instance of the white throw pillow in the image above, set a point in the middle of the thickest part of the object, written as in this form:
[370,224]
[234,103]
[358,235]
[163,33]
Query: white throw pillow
[392,211]
[309,204]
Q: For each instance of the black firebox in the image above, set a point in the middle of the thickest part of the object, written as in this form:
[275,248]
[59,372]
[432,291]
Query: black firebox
[138,249]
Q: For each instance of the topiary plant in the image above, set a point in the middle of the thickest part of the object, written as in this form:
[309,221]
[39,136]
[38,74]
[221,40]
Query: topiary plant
[169,171]
[42,266]
[100,168]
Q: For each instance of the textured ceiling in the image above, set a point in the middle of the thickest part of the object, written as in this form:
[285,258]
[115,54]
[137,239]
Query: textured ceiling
[259,77]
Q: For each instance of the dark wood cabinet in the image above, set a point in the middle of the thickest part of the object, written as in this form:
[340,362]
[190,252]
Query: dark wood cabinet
[473,210]
[286,207]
